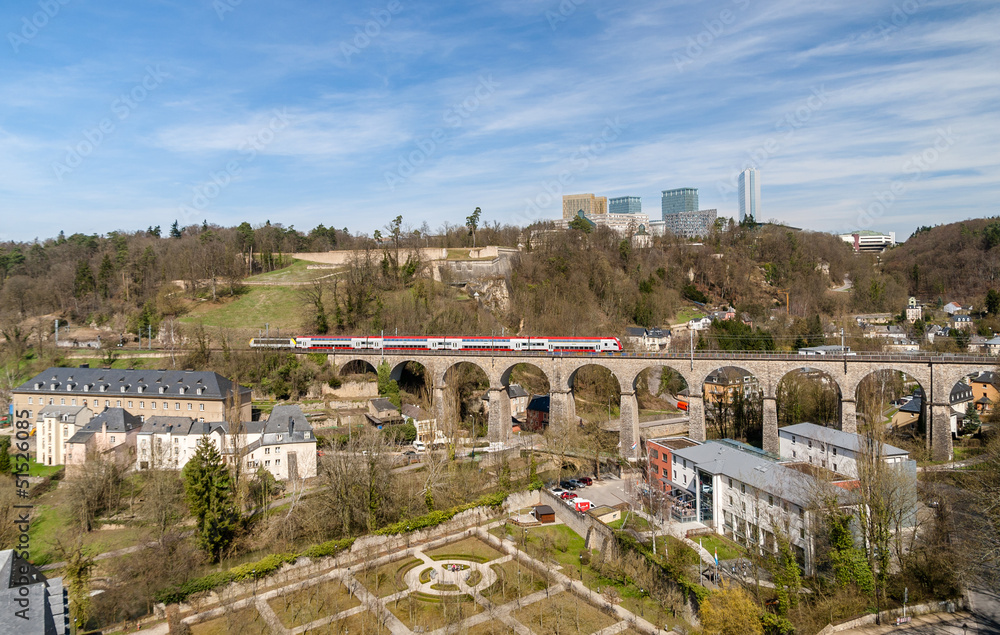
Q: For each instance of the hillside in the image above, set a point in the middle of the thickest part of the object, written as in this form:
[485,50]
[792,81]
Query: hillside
[955,262]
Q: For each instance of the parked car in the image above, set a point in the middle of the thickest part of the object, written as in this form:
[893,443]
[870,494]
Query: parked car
[566,485]
[419,446]
[577,483]
[706,488]
[558,491]
[586,480]
[567,496]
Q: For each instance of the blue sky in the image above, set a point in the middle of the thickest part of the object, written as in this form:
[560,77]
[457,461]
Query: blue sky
[118,116]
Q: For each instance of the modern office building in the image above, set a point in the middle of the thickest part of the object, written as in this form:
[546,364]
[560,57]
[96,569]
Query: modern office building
[681,200]
[870,241]
[686,224]
[587,204]
[625,205]
[749,194]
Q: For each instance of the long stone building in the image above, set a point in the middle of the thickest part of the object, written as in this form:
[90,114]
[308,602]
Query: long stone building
[143,393]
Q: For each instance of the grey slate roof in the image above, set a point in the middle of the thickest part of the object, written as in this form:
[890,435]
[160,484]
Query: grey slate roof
[635,331]
[290,424]
[515,390]
[87,381]
[117,420]
[840,439]
[380,404]
[986,377]
[766,475]
[65,414]
[181,426]
[414,412]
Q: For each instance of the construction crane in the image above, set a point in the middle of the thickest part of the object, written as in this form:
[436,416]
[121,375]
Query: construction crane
[785,291]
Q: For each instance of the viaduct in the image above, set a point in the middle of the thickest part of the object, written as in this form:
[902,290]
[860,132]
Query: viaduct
[937,375]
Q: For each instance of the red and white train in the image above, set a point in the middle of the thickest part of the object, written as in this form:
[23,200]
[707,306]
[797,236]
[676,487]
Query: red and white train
[405,343]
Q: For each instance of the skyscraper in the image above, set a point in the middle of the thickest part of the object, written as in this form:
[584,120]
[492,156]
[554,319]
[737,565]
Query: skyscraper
[625,205]
[684,199]
[749,194]
[586,204]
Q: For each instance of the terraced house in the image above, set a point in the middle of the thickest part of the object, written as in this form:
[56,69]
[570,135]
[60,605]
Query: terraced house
[143,393]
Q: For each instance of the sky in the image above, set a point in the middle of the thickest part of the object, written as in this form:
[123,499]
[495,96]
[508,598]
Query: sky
[881,115]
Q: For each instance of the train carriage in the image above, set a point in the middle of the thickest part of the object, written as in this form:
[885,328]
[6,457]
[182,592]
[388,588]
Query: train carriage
[472,344]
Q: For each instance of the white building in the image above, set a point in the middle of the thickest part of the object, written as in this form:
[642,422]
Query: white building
[829,448]
[870,241]
[54,427]
[284,445]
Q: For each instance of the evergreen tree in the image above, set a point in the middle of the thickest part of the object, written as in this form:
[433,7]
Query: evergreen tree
[175,230]
[84,282]
[209,491]
[4,454]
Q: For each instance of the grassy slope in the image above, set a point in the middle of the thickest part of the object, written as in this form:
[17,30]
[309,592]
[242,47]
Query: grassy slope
[280,307]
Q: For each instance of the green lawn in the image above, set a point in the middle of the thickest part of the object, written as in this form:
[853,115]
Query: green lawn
[727,549]
[638,523]
[686,314]
[281,307]
[37,469]
[298,271]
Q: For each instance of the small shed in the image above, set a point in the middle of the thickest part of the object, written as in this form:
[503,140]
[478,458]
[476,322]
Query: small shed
[544,514]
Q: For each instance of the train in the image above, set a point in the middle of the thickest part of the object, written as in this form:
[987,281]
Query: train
[405,343]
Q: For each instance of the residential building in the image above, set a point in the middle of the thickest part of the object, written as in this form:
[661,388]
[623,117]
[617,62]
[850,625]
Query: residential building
[113,431]
[914,311]
[284,444]
[677,201]
[961,397]
[963,322]
[382,411]
[625,205]
[689,224]
[652,339]
[952,308]
[699,324]
[659,453]
[54,427]
[536,415]
[870,241]
[992,346]
[586,204]
[518,398]
[748,192]
[426,425]
[727,313]
[977,344]
[30,604]
[889,331]
[830,448]
[143,393]
[873,318]
[723,384]
[984,390]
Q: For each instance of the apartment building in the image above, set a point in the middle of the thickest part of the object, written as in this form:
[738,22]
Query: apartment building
[143,393]
[112,431]
[284,444]
[54,426]
[830,448]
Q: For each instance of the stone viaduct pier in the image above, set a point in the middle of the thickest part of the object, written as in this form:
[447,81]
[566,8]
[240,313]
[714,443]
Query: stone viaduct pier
[936,374]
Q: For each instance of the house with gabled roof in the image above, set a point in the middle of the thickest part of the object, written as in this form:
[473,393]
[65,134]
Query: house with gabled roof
[112,432]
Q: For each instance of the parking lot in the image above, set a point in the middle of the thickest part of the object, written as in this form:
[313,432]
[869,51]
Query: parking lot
[608,491]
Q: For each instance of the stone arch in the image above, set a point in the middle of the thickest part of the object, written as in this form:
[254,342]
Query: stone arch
[813,374]
[448,404]
[915,414]
[407,380]
[441,372]
[352,363]
[736,406]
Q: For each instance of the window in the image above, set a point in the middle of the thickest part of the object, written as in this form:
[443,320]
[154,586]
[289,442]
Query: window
[730,501]
[112,439]
[130,403]
[835,451]
[277,450]
[62,401]
[802,532]
[142,404]
[743,488]
[810,443]
[267,450]
[107,403]
[72,402]
[770,500]
[177,406]
[744,506]
[152,404]
[730,482]
[119,403]
[65,431]
[277,461]
[190,405]
[654,454]
[267,463]
[166,406]
[675,475]
[201,406]
[31,400]
[834,467]
[793,454]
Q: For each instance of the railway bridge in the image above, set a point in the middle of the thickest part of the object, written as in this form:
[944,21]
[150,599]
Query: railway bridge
[936,374]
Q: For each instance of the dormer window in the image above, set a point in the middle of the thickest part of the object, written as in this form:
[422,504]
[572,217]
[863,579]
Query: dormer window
[163,389]
[124,388]
[38,386]
[200,389]
[104,387]
[142,389]
[307,435]
[86,388]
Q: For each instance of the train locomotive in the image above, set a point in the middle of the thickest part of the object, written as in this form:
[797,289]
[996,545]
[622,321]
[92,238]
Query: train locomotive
[474,344]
